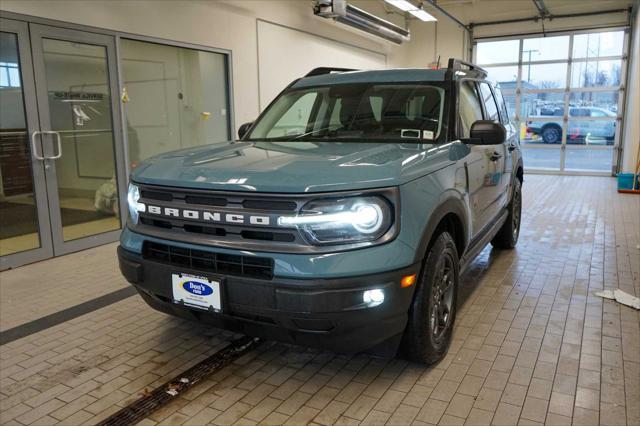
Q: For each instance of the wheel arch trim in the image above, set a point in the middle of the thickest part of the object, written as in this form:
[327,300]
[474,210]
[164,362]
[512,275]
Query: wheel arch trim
[449,206]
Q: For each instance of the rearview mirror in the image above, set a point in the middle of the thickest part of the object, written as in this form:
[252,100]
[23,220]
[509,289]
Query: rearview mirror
[244,129]
[487,132]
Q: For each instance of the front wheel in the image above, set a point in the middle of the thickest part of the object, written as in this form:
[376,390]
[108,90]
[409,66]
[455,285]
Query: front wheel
[507,236]
[432,313]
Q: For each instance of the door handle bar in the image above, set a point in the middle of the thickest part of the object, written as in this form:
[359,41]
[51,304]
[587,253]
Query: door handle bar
[34,147]
[495,156]
[58,143]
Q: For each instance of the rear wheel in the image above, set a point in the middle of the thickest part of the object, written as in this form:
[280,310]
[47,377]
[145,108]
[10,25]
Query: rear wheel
[432,313]
[552,134]
[507,236]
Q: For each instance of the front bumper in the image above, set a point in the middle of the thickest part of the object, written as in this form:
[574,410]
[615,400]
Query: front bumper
[324,313]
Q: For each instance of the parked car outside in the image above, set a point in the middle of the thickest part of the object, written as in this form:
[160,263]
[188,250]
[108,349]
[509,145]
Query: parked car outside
[586,125]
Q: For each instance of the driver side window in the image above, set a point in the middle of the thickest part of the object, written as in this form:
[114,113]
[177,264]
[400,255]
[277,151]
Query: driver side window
[469,107]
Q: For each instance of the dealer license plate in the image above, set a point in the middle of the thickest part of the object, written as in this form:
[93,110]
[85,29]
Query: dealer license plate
[193,290]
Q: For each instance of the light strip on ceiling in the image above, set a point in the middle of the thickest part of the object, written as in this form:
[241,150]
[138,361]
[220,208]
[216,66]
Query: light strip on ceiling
[416,11]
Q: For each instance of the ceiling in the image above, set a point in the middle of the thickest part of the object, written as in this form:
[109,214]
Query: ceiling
[494,10]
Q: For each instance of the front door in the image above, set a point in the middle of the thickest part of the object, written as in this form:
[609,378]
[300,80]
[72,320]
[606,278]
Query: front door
[25,231]
[497,154]
[76,92]
[76,153]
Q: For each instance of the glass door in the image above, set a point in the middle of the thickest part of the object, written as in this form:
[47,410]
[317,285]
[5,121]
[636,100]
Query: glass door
[25,234]
[564,93]
[75,76]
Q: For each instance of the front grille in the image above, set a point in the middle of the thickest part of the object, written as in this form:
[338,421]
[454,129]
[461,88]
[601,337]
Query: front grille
[206,261]
[234,219]
[237,235]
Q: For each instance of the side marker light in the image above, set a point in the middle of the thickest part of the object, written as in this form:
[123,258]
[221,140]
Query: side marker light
[408,280]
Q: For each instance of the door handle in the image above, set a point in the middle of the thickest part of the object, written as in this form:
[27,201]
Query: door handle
[34,146]
[511,148]
[495,156]
[58,153]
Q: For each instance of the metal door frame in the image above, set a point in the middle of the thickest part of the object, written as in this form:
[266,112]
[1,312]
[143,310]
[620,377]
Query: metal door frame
[37,33]
[45,250]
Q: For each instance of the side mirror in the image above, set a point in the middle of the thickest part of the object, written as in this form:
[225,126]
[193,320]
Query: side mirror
[487,132]
[244,129]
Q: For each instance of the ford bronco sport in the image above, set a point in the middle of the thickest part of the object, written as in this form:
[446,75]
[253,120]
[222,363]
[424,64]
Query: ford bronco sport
[342,218]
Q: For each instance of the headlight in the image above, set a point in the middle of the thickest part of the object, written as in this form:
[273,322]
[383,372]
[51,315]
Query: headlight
[135,206]
[342,220]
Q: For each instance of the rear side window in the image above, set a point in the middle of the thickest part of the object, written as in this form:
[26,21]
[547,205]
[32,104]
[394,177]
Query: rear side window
[469,105]
[502,105]
[491,108]
[597,113]
[579,112]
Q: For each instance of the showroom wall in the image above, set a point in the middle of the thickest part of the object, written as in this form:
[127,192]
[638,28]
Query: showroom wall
[234,25]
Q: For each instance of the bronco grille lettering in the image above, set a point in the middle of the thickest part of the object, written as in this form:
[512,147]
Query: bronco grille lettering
[210,216]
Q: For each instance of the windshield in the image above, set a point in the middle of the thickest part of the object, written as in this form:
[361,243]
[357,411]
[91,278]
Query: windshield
[361,112]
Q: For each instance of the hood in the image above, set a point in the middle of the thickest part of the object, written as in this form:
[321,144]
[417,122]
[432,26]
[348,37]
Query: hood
[295,167]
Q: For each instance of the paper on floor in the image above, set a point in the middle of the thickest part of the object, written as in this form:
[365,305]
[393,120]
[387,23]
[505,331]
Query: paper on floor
[620,297]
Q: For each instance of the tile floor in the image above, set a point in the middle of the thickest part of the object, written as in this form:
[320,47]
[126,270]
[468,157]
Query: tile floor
[532,344]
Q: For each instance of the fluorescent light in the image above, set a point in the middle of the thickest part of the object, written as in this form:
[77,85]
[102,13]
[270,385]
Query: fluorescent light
[416,11]
[403,5]
[422,15]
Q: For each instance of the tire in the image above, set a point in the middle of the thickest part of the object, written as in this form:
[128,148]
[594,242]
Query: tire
[422,341]
[551,134]
[507,236]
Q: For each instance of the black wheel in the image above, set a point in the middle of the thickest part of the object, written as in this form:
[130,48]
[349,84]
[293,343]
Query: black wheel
[552,134]
[507,236]
[433,311]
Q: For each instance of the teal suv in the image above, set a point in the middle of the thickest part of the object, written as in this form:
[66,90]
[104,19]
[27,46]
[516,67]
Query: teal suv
[341,218]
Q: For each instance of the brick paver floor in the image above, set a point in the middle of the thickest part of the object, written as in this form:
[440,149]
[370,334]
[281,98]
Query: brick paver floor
[49,286]
[532,344]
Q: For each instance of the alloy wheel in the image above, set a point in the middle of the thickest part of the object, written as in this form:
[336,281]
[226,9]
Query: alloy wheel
[442,299]
[516,213]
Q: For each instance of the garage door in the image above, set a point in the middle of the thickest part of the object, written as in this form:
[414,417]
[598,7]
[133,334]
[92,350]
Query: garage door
[565,94]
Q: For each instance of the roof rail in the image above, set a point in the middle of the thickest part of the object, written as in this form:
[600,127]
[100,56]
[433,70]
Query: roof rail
[457,64]
[326,70]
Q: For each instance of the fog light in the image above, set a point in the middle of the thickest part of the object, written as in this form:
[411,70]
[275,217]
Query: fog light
[373,297]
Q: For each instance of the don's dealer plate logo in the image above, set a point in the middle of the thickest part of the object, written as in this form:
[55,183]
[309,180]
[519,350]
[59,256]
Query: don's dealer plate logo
[197,291]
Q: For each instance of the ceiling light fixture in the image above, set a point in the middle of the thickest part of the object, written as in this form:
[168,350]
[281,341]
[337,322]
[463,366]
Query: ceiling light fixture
[416,11]
[347,14]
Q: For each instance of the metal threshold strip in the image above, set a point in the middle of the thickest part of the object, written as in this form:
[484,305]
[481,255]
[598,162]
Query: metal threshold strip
[143,407]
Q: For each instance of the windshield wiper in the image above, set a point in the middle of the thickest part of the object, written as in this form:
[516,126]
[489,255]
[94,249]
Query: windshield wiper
[310,133]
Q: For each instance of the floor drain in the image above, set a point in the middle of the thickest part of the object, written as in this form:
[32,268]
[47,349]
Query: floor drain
[143,407]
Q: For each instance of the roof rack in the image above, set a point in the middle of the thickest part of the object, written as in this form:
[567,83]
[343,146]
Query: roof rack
[326,70]
[457,64]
